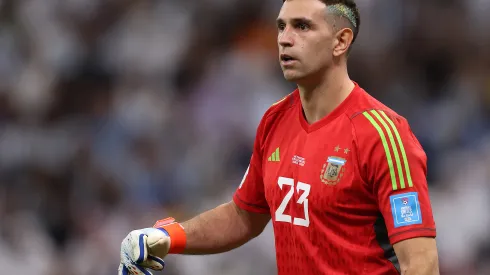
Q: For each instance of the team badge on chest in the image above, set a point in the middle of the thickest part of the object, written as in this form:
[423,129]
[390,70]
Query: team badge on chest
[333,170]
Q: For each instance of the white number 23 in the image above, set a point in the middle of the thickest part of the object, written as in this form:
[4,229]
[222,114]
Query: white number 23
[303,199]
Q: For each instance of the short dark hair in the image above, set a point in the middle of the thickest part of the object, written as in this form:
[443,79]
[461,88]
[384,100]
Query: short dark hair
[353,15]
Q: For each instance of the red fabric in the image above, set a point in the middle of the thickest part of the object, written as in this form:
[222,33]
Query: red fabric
[374,167]
[330,185]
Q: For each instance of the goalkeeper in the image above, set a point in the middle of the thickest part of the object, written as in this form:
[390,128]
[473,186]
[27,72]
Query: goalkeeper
[341,175]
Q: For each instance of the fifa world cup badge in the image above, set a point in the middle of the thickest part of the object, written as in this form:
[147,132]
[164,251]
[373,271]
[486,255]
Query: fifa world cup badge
[333,170]
[405,208]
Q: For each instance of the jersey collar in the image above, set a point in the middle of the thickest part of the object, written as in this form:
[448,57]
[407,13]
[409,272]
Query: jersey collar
[340,109]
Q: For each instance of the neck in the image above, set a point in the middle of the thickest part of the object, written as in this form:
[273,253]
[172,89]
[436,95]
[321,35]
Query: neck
[322,96]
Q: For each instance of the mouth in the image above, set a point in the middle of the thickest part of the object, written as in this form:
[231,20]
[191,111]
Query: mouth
[286,59]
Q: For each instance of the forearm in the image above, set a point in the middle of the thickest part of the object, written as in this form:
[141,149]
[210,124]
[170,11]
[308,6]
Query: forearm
[422,266]
[421,270]
[418,256]
[219,230]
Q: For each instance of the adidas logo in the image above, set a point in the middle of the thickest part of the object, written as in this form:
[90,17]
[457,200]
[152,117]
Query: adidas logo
[275,156]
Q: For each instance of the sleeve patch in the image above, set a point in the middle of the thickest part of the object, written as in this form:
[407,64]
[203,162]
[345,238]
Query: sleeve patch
[405,209]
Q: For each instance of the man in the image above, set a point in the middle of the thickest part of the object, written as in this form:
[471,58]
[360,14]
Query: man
[341,175]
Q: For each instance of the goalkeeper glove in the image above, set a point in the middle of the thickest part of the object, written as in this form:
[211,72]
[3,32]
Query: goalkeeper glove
[145,248]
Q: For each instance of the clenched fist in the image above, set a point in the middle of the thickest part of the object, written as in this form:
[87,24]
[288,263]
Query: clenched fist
[144,249]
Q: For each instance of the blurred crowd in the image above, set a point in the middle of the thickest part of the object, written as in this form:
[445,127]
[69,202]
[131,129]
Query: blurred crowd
[116,113]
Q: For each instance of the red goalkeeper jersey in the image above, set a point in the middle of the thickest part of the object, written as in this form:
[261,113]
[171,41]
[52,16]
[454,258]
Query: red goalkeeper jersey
[340,191]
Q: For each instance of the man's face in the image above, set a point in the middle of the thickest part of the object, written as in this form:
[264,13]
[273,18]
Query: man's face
[305,38]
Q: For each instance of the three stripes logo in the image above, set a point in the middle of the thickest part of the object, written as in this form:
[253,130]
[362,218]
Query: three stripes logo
[275,156]
[383,124]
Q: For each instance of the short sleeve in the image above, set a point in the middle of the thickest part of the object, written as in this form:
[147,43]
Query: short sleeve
[250,195]
[395,164]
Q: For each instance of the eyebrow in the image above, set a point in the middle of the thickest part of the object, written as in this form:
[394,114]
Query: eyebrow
[296,20]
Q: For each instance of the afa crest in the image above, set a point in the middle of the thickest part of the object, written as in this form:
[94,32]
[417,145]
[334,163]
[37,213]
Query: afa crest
[333,170]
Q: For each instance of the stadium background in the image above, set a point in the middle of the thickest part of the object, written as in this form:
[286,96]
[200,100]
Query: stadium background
[116,113]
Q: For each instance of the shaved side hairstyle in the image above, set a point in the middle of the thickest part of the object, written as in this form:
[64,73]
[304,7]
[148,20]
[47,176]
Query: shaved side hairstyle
[343,14]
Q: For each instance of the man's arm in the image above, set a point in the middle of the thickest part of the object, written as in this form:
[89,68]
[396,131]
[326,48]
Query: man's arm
[221,229]
[417,256]
[394,162]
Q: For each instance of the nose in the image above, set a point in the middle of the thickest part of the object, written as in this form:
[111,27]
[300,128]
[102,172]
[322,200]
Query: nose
[285,39]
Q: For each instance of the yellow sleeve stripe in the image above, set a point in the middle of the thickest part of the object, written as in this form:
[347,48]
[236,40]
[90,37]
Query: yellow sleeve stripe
[281,100]
[391,147]
[387,149]
[402,148]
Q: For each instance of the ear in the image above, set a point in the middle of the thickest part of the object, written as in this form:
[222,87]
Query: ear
[343,40]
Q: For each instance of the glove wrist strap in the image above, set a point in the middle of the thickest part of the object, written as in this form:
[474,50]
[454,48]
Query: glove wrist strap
[176,233]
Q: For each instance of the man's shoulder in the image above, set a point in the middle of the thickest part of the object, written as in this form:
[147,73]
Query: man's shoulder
[284,104]
[281,107]
[368,115]
[366,103]
[275,114]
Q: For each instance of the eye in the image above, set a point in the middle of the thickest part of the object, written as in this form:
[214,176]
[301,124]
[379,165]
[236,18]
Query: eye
[303,26]
[281,26]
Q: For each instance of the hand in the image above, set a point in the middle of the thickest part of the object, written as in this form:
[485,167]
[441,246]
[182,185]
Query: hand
[144,249]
